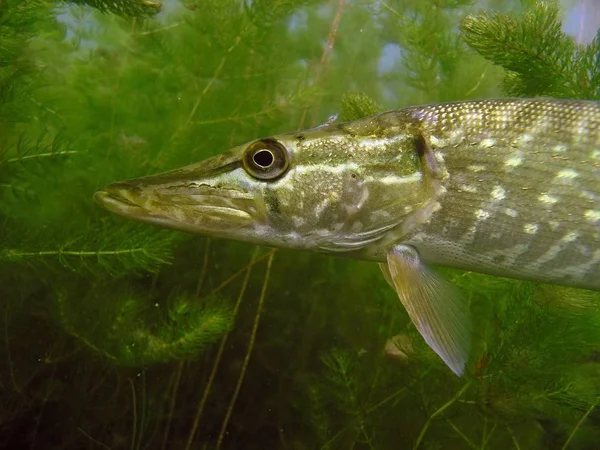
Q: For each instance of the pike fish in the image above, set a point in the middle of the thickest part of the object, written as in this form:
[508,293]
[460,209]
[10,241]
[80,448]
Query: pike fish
[507,187]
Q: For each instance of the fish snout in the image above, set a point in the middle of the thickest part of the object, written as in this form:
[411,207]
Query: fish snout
[122,198]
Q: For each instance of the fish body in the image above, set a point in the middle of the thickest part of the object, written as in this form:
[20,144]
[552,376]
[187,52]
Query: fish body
[508,187]
[520,191]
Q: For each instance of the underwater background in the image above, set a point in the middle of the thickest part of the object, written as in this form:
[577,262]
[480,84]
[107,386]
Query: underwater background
[119,335]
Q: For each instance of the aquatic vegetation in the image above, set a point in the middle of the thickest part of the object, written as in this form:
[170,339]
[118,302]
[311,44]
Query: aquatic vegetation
[538,46]
[120,335]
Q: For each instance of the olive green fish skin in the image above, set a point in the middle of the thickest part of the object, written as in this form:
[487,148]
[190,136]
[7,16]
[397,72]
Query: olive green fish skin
[509,187]
[521,192]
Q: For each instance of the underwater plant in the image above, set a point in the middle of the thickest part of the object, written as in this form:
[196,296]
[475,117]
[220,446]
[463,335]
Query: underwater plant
[122,335]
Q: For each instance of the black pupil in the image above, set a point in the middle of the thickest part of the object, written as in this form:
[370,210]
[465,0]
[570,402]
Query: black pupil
[263,158]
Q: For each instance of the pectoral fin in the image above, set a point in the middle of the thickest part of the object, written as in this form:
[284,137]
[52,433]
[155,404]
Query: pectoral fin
[435,306]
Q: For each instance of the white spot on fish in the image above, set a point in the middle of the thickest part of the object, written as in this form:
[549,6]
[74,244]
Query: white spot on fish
[569,174]
[298,221]
[439,156]
[476,168]
[530,228]
[467,188]
[487,143]
[498,193]
[526,138]
[582,128]
[393,179]
[321,207]
[475,116]
[363,198]
[555,250]
[511,212]
[436,142]
[513,161]
[457,135]
[570,237]
[545,198]
[559,148]
[592,215]
[482,215]
[577,272]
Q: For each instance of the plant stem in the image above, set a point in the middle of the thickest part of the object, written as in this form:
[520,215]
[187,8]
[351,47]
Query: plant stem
[585,416]
[172,403]
[248,351]
[219,356]
[439,411]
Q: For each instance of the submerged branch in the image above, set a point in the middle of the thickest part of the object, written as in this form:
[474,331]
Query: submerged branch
[41,155]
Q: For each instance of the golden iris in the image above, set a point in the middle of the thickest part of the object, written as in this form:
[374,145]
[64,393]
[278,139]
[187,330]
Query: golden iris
[266,159]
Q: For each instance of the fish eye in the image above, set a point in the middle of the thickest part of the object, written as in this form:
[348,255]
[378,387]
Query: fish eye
[266,159]
[263,158]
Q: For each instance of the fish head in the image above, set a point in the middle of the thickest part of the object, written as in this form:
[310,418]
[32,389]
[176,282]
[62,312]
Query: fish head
[214,197]
[329,188]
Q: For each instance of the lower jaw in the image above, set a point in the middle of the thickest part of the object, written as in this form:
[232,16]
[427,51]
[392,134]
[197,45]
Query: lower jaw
[118,206]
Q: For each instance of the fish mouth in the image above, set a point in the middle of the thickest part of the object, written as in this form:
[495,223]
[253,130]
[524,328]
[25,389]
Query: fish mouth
[209,214]
[117,203]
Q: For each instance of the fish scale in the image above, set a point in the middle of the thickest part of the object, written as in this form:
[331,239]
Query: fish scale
[508,187]
[559,159]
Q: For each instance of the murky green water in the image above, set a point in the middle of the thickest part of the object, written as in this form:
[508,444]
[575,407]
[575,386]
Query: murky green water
[124,336]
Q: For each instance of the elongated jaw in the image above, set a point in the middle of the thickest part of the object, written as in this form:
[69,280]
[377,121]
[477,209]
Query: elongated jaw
[119,204]
[185,206]
[120,200]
